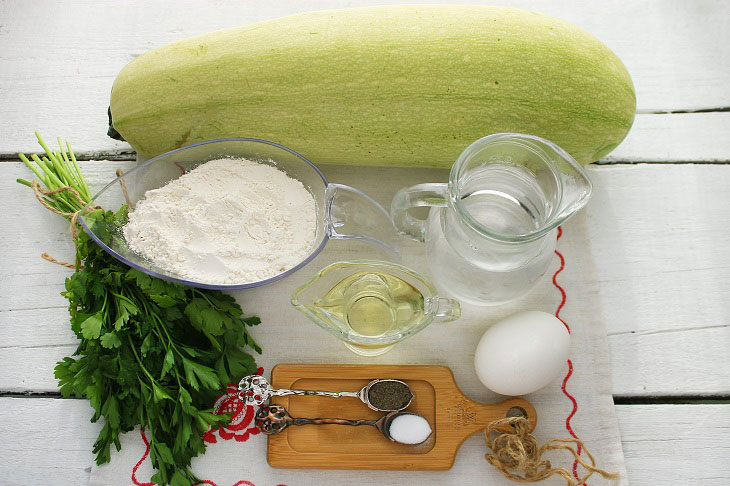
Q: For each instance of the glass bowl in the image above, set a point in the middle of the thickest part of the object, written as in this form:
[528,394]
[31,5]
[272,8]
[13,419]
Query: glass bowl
[342,211]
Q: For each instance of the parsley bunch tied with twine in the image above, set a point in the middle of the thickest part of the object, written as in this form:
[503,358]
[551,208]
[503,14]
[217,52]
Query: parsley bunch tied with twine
[152,353]
[66,192]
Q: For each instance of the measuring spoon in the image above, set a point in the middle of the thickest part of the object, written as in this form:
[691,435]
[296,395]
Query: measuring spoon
[273,419]
[255,390]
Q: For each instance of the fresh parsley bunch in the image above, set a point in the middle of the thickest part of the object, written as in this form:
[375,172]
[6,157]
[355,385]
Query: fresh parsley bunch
[152,353]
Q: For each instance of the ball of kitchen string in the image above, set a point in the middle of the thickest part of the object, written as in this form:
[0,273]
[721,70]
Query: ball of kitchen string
[522,353]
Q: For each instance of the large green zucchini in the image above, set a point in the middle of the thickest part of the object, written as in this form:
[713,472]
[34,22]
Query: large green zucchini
[396,85]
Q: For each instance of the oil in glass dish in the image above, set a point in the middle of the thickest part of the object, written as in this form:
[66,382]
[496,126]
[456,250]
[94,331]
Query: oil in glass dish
[373,304]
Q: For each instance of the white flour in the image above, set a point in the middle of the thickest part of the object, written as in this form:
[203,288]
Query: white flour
[227,221]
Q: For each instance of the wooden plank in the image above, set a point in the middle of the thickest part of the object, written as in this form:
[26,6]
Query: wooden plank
[687,362]
[46,435]
[664,444]
[676,444]
[651,232]
[30,368]
[680,137]
[59,83]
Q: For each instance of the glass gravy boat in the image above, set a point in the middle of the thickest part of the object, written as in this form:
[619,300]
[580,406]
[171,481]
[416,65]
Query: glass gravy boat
[491,231]
[372,305]
[343,212]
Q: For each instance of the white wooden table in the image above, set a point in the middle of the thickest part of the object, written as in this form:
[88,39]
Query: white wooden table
[660,221]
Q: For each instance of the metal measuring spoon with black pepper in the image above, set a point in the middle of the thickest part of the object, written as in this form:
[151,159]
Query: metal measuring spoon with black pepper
[382,395]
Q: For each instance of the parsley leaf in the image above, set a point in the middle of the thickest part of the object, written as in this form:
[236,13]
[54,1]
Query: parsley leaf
[91,326]
[110,340]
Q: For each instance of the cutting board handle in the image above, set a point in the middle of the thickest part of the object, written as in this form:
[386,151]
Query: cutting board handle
[472,417]
[512,407]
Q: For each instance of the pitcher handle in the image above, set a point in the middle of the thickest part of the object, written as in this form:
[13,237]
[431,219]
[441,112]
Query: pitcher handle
[352,214]
[420,195]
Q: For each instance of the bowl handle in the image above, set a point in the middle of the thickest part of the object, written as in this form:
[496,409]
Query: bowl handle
[352,214]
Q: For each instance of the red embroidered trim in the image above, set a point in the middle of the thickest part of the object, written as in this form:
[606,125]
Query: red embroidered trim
[241,418]
[240,483]
[573,412]
[563,295]
[570,363]
[139,463]
[147,452]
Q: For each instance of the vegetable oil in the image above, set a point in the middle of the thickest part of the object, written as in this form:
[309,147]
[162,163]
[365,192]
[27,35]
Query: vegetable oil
[372,303]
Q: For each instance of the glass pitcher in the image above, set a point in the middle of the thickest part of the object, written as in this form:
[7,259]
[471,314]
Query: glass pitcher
[491,231]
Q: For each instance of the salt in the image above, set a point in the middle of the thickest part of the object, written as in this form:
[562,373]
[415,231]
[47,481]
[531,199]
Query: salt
[409,429]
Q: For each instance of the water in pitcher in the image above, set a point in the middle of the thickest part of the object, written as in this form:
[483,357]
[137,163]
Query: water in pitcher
[506,199]
[490,232]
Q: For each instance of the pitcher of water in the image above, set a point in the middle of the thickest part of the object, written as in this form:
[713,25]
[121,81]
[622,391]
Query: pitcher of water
[491,231]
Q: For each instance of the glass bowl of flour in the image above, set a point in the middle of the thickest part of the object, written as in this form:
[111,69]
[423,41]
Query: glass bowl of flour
[231,214]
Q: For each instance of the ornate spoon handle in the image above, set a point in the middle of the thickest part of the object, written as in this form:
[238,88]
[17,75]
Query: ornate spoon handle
[331,421]
[255,390]
[282,392]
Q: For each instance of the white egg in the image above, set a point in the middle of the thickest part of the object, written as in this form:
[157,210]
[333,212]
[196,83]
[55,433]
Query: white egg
[522,353]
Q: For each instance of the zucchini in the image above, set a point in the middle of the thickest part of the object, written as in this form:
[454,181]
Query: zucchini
[406,85]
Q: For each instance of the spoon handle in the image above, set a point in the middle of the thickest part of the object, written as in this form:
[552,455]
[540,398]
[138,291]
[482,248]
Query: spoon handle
[282,392]
[331,421]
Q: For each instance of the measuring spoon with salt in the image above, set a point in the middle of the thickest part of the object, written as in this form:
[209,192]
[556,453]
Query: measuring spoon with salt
[402,427]
[382,395]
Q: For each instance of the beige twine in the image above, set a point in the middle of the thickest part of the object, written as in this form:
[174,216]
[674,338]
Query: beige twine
[120,173]
[519,450]
[40,194]
[49,258]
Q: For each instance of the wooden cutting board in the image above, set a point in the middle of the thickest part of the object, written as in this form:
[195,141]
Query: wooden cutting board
[452,416]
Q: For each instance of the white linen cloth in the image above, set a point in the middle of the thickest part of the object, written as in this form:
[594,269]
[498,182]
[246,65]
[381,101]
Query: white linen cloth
[289,337]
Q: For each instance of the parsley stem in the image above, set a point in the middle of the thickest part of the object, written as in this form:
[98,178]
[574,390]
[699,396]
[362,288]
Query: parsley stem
[161,325]
[198,292]
[57,170]
[83,184]
[139,361]
[170,344]
[43,178]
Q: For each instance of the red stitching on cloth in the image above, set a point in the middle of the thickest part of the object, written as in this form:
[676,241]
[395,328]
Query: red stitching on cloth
[147,452]
[563,295]
[139,463]
[226,403]
[570,363]
[241,416]
[573,412]
[240,483]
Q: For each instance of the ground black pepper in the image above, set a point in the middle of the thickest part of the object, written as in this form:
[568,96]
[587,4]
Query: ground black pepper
[389,395]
